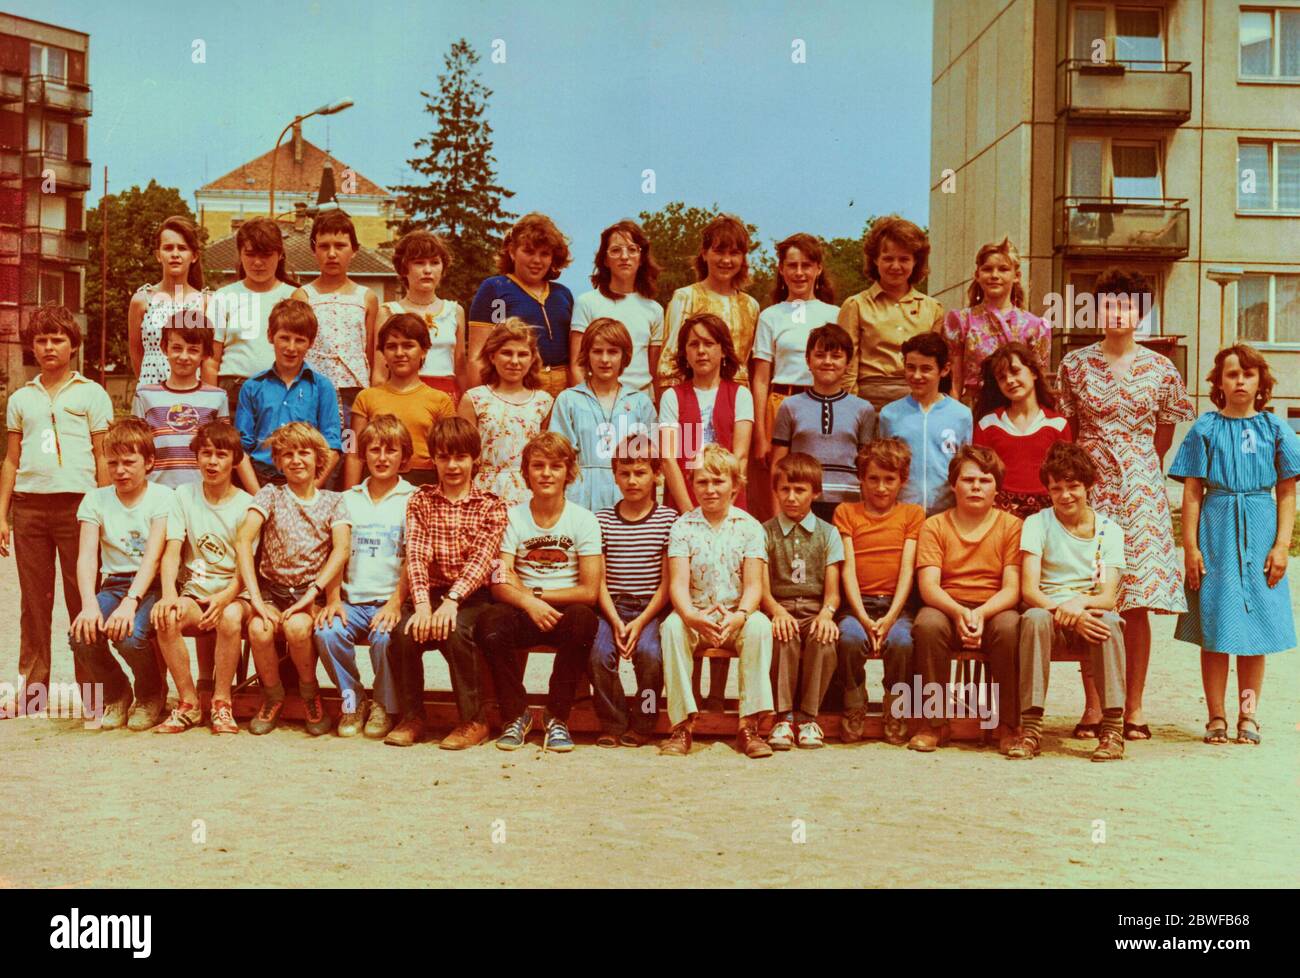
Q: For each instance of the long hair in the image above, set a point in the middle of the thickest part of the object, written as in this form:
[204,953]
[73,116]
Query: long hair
[262,234]
[719,332]
[647,273]
[185,228]
[991,397]
[812,250]
[502,333]
[975,294]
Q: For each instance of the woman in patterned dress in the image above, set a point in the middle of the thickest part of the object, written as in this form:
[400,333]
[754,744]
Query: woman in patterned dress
[153,306]
[1124,401]
[508,409]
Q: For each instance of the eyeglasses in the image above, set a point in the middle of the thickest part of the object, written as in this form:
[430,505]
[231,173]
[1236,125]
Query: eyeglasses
[631,251]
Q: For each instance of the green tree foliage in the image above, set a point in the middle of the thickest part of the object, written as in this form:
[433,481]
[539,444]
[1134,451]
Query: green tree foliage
[133,218]
[460,198]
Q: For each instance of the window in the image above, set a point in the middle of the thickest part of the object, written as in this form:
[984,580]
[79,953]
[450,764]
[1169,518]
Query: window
[51,288]
[1268,176]
[1084,282]
[1269,43]
[1132,35]
[1268,308]
[1123,169]
[56,139]
[48,61]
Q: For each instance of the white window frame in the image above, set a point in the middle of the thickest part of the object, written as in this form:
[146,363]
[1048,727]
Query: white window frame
[1108,164]
[1154,276]
[1272,342]
[1275,72]
[1273,172]
[1112,24]
[44,50]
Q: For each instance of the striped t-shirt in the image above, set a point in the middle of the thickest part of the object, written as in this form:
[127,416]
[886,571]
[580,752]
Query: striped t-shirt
[174,416]
[634,552]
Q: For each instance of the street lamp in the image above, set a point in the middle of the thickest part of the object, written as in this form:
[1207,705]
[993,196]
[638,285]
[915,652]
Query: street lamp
[323,110]
[1224,277]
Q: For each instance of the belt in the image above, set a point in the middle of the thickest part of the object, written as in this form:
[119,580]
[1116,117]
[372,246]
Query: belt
[1243,532]
[789,389]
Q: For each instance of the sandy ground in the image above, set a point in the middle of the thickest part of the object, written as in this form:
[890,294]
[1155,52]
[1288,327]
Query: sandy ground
[121,809]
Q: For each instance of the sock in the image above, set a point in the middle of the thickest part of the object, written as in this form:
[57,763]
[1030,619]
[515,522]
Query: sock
[1113,720]
[273,694]
[1031,722]
[307,688]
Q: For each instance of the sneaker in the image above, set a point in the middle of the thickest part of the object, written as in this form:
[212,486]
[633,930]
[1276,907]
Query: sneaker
[557,736]
[810,735]
[514,735]
[146,713]
[223,718]
[185,715]
[466,735]
[350,724]
[378,724]
[267,717]
[318,721]
[115,714]
[782,736]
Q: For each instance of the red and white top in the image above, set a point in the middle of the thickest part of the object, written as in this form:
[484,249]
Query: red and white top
[1022,452]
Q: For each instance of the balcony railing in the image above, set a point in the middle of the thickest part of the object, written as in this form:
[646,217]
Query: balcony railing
[1105,226]
[56,245]
[1124,91]
[11,163]
[11,87]
[56,93]
[68,174]
[8,242]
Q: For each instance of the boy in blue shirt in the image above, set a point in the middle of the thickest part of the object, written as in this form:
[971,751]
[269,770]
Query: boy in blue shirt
[932,424]
[289,391]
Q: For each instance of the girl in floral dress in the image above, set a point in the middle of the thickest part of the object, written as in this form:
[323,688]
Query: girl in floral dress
[1124,401]
[153,306]
[508,409]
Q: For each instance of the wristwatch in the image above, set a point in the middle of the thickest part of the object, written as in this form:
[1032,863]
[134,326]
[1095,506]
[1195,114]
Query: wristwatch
[537,593]
[453,596]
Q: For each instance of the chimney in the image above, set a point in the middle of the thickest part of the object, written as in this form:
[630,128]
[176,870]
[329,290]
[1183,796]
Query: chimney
[235,224]
[297,142]
[326,193]
[300,215]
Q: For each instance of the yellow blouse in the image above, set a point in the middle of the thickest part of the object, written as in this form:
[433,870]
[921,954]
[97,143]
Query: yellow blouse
[739,311]
[880,326]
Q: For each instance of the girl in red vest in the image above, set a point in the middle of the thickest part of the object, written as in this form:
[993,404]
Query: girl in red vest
[707,407]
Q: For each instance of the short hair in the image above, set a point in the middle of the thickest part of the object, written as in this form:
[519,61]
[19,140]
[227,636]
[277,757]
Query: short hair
[334,221]
[407,325]
[1066,462]
[609,330]
[903,233]
[222,436]
[298,434]
[183,327]
[551,445]
[890,454]
[455,436]
[127,435]
[725,231]
[502,333]
[418,244]
[647,272]
[1250,359]
[984,457]
[262,235]
[930,345]
[638,447]
[716,460]
[292,316]
[387,430]
[50,319]
[720,332]
[798,467]
[535,230]
[1122,281]
[830,337]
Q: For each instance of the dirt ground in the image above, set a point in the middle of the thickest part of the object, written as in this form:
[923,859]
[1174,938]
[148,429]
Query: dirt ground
[120,809]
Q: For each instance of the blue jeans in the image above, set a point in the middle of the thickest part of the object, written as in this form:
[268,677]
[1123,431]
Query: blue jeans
[647,661]
[337,645]
[136,650]
[854,649]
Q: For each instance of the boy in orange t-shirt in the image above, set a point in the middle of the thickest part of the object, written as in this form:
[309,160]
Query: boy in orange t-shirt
[881,534]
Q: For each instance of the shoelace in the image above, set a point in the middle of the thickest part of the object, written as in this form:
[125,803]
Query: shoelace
[557,730]
[516,729]
[223,716]
[814,731]
[313,707]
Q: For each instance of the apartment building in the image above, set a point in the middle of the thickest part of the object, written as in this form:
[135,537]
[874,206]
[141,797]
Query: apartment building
[1162,135]
[45,102]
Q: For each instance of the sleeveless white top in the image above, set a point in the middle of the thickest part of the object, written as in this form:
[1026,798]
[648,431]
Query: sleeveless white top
[340,348]
[440,361]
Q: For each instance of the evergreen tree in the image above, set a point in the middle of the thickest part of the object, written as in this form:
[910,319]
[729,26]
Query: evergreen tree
[460,198]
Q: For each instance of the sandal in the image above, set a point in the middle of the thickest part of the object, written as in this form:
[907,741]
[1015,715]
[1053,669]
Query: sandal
[1026,748]
[607,740]
[1245,736]
[1087,731]
[1136,731]
[1215,734]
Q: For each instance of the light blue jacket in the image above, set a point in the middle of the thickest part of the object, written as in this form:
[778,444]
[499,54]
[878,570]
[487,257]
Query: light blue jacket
[934,437]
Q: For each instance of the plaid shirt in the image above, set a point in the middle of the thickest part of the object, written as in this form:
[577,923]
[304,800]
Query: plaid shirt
[451,544]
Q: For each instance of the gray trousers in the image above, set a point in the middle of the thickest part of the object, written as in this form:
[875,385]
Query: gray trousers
[1039,634]
[802,666]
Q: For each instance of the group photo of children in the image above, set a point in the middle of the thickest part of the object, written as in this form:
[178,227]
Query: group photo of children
[805,482]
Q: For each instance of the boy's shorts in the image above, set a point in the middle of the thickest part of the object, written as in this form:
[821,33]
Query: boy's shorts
[279,596]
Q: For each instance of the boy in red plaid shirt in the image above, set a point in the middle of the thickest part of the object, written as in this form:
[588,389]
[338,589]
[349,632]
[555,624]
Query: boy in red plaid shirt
[453,539]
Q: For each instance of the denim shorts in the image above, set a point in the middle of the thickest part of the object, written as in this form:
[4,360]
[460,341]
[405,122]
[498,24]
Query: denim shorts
[279,596]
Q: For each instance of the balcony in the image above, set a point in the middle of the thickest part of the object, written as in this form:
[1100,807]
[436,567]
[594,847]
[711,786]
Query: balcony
[51,244]
[8,243]
[1160,92]
[1092,227]
[11,163]
[11,86]
[56,93]
[69,175]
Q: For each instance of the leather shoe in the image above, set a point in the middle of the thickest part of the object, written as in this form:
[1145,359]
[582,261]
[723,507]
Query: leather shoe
[466,735]
[749,743]
[929,739]
[679,742]
[409,731]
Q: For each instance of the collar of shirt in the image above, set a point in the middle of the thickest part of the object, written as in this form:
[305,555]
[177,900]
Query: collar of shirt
[826,398]
[697,516]
[809,522]
[304,373]
[434,491]
[401,488]
[74,377]
[541,299]
[876,294]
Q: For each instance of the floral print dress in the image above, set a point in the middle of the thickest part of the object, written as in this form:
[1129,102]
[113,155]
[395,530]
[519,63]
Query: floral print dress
[154,368]
[505,429]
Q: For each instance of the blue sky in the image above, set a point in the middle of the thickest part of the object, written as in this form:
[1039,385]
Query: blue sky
[590,94]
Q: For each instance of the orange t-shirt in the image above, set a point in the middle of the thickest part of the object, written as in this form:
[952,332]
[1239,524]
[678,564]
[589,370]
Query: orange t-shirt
[969,571]
[878,542]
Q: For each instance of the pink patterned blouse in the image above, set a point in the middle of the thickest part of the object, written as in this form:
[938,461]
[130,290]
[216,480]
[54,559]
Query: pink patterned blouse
[976,332]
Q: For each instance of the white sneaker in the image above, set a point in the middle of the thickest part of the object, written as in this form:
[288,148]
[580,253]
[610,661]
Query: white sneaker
[115,714]
[782,736]
[810,735]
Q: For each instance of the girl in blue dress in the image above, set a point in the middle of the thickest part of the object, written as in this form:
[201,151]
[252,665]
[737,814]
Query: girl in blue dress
[600,412]
[1236,536]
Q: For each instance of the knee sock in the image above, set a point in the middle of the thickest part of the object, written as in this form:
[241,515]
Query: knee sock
[273,694]
[1031,722]
[1113,720]
[307,688]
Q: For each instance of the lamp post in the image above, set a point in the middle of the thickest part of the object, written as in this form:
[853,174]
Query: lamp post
[1224,277]
[323,110]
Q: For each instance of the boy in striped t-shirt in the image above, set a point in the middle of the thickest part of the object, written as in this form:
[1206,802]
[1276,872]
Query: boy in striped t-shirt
[634,535]
[176,409]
